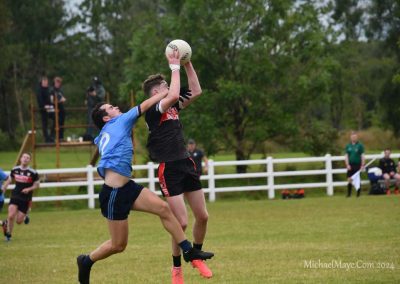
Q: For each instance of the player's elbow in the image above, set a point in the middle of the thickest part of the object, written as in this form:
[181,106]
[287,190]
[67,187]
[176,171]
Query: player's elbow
[174,94]
[197,92]
[172,97]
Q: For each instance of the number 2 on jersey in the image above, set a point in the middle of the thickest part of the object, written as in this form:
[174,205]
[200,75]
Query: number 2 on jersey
[105,138]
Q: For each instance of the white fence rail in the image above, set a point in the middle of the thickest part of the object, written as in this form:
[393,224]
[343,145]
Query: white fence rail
[269,173]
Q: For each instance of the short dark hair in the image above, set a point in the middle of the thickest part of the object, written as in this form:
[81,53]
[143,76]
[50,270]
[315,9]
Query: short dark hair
[98,114]
[151,82]
[27,153]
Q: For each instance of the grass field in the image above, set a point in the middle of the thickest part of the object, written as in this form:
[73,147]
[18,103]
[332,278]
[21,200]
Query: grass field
[255,241]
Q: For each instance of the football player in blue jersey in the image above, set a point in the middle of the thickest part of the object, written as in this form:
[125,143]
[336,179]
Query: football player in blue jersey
[120,194]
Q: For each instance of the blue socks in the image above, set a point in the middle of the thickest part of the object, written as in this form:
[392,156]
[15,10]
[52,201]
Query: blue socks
[185,246]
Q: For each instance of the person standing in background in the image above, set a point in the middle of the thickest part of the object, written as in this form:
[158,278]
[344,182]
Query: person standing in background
[94,94]
[46,109]
[198,157]
[57,92]
[354,159]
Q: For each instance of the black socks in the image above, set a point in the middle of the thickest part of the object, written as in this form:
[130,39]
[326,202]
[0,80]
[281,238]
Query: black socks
[176,260]
[87,261]
[198,246]
[349,189]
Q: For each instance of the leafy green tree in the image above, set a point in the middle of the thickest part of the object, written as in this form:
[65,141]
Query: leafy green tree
[350,15]
[384,25]
[359,71]
[28,31]
[390,101]
[259,63]
[100,42]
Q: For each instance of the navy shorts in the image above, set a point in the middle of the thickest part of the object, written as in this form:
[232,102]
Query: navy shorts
[177,177]
[22,205]
[354,168]
[116,203]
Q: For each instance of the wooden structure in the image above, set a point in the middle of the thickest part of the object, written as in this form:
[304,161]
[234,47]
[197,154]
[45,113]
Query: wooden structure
[30,142]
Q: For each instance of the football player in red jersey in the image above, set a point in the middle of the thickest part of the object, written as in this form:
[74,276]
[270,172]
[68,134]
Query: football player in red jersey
[26,181]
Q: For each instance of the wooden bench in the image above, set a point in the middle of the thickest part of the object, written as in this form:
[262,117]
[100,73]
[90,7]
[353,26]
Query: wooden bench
[382,182]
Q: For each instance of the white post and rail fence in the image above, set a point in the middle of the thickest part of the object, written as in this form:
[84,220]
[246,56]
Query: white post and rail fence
[331,177]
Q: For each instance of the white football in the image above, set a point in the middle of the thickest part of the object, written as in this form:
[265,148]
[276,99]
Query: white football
[185,51]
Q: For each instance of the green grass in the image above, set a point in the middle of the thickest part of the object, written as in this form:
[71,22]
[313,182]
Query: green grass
[257,241]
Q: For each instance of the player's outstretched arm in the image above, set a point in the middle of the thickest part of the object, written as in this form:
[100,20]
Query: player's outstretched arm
[194,84]
[6,184]
[173,91]
[144,106]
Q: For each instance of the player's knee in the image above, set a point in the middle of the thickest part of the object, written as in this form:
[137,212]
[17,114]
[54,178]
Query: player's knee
[183,224]
[202,218]
[19,219]
[118,248]
[164,210]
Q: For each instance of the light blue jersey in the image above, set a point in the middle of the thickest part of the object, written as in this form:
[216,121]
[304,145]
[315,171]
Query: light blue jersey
[115,143]
[3,177]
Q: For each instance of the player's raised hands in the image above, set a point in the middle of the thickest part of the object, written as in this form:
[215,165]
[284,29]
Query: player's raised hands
[173,57]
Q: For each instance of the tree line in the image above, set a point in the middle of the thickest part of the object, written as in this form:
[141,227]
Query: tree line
[294,72]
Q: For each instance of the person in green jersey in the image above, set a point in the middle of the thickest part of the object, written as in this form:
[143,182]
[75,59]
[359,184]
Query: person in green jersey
[354,159]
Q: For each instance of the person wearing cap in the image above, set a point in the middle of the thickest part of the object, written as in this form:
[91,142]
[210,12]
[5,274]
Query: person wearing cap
[198,157]
[94,94]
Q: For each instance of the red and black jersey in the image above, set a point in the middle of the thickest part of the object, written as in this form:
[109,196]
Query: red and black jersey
[23,178]
[166,141]
[387,165]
